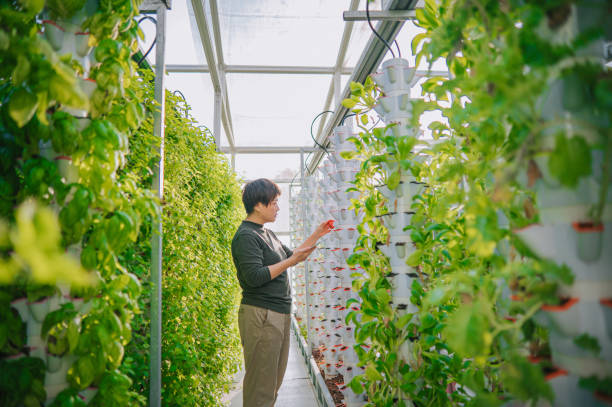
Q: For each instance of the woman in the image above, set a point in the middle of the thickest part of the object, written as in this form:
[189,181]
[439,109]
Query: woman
[264,315]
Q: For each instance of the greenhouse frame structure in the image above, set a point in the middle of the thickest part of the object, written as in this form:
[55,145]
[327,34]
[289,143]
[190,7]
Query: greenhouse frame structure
[390,21]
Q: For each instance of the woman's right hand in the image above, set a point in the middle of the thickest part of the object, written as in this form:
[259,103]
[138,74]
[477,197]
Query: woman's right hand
[301,254]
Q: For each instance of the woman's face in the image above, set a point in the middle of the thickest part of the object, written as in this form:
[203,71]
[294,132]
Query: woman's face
[269,212]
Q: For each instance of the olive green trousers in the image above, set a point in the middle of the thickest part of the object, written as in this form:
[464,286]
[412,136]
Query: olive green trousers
[265,336]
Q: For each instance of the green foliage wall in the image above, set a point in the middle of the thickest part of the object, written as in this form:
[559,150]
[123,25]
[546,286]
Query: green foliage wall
[202,209]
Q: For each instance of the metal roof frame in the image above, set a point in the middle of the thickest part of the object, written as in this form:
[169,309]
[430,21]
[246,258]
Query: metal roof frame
[391,19]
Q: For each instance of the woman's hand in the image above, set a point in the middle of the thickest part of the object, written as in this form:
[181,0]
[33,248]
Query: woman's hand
[324,228]
[301,253]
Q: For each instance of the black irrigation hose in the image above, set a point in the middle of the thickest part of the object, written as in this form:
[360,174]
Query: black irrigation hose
[399,51]
[154,41]
[182,96]
[312,134]
[346,116]
[374,31]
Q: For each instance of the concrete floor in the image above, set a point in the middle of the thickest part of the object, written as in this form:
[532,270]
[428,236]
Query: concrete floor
[296,390]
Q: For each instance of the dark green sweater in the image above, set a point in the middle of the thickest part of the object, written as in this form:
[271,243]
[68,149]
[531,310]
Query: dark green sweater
[254,248]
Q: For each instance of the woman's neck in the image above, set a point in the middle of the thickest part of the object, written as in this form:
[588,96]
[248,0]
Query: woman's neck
[255,219]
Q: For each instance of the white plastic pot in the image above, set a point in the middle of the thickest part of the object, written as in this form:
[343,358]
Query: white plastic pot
[21,305]
[353,165]
[395,222]
[560,243]
[394,108]
[39,309]
[54,363]
[401,288]
[341,134]
[88,394]
[589,240]
[396,76]
[345,175]
[606,305]
[403,190]
[81,41]
[54,34]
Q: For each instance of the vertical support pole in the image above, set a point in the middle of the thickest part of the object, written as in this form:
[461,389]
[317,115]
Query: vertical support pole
[309,341]
[337,90]
[158,189]
[217,120]
[233,161]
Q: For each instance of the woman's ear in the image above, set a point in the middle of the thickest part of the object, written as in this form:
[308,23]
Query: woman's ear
[257,208]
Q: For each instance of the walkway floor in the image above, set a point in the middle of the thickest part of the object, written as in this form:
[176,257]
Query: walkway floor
[296,391]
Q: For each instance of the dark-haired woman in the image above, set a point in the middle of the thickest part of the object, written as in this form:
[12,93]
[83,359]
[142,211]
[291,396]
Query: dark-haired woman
[264,315]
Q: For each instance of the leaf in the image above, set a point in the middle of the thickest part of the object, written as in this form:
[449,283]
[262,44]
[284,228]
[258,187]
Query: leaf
[22,106]
[466,331]
[356,385]
[415,258]
[82,373]
[364,119]
[416,40]
[589,343]
[570,160]
[525,380]
[394,179]
[349,103]
[21,71]
[372,374]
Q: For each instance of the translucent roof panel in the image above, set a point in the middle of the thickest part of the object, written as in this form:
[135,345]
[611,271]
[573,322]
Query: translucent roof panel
[275,110]
[198,91]
[273,166]
[183,45]
[281,32]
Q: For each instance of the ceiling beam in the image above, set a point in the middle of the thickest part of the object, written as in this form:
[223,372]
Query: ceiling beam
[268,150]
[388,15]
[272,69]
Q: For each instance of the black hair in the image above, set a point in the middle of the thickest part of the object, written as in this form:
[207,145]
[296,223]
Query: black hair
[261,190]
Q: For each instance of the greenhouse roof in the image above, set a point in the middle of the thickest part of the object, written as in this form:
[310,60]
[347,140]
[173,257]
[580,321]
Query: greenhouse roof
[276,65]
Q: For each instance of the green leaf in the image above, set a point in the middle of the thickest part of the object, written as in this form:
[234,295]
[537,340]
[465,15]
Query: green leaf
[22,106]
[356,385]
[525,380]
[570,160]
[372,374]
[589,343]
[416,40]
[82,373]
[364,119]
[394,179]
[467,331]
[415,258]
[21,71]
[349,103]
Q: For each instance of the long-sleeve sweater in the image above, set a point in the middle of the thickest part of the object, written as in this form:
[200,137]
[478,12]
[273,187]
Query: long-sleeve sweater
[254,248]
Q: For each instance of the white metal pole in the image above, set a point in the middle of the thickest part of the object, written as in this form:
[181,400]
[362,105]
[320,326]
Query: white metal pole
[217,120]
[309,341]
[158,188]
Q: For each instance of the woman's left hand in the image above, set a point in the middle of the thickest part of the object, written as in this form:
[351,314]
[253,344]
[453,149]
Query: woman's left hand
[324,228]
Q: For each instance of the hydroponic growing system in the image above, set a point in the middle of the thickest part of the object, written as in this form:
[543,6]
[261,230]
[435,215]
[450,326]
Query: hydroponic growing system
[470,261]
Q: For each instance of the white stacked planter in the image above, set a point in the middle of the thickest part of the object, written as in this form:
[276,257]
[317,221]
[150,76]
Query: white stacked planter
[65,38]
[396,78]
[566,235]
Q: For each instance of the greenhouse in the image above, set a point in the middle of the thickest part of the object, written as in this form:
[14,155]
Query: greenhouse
[305,203]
